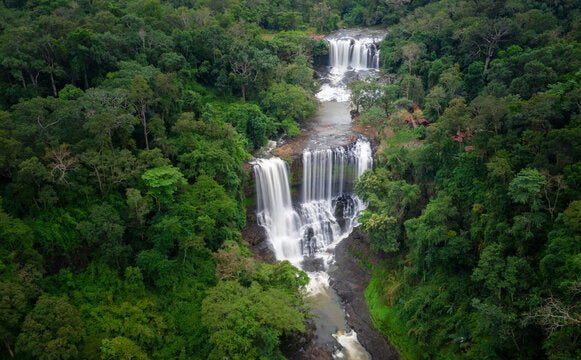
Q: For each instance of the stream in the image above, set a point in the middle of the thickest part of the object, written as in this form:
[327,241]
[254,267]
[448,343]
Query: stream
[305,225]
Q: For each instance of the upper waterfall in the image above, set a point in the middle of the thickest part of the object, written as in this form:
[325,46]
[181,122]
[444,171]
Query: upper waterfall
[353,54]
[345,53]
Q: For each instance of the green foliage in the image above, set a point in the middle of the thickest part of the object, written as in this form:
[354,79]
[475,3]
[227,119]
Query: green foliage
[52,330]
[285,101]
[122,348]
[108,108]
[526,188]
[369,94]
[487,257]
[249,320]
[120,145]
[105,231]
[249,120]
[163,183]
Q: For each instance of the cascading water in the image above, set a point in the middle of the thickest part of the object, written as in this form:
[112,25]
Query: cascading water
[328,177]
[353,53]
[274,208]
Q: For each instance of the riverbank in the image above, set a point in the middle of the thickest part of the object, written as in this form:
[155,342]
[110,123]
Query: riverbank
[349,278]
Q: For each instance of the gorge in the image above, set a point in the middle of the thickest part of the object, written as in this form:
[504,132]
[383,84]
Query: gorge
[303,224]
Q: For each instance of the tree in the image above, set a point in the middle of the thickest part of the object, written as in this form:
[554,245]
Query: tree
[411,52]
[436,100]
[163,183]
[369,94]
[451,80]
[138,207]
[122,348]
[489,112]
[14,305]
[248,63]
[43,122]
[456,120]
[52,330]
[251,121]
[383,230]
[488,34]
[248,322]
[527,188]
[321,14]
[141,95]
[105,231]
[284,101]
[430,233]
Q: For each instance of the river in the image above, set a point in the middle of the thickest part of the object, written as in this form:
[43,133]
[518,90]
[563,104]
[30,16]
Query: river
[305,226]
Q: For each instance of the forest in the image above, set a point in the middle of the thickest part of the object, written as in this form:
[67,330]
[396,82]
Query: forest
[475,198]
[125,126]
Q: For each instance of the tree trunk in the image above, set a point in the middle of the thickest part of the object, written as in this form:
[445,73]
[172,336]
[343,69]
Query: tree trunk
[244,93]
[486,64]
[145,134]
[144,123]
[489,53]
[8,347]
[53,85]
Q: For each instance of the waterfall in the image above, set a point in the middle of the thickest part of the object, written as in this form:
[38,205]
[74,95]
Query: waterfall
[328,179]
[345,53]
[328,208]
[332,172]
[274,208]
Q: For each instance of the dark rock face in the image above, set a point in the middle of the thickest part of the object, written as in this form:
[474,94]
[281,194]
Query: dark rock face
[263,252]
[255,236]
[313,264]
[304,346]
[253,233]
[350,280]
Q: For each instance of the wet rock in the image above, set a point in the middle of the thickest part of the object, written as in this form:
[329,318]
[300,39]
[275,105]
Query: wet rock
[300,346]
[255,236]
[340,212]
[309,243]
[313,264]
[263,252]
[253,233]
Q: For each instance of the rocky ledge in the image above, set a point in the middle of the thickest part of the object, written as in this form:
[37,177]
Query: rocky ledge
[349,279]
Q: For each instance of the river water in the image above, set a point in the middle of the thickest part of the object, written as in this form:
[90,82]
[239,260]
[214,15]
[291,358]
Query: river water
[306,230]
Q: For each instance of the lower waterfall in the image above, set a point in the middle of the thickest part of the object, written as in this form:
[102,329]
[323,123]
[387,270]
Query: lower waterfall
[297,230]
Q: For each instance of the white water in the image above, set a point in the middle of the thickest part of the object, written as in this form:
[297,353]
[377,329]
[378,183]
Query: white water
[352,349]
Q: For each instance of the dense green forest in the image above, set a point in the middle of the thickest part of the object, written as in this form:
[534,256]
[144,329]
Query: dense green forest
[124,126]
[475,199]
